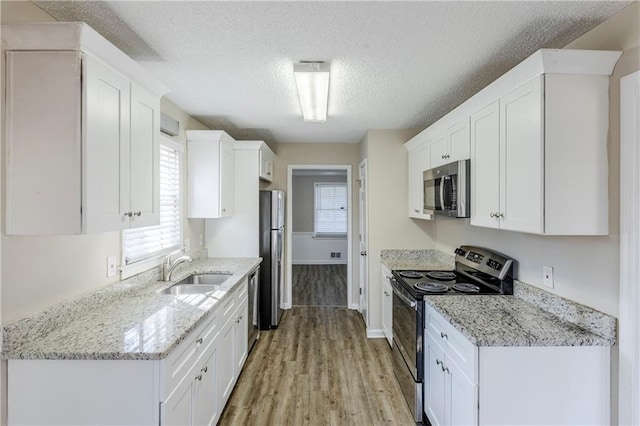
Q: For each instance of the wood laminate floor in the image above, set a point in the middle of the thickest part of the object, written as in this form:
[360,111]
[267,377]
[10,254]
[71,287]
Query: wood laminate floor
[319,285]
[318,368]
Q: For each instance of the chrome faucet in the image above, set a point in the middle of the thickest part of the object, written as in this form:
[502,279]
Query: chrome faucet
[168,266]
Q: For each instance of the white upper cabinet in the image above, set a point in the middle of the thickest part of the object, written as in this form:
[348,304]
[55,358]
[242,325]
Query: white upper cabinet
[418,150]
[210,169]
[539,160]
[451,145]
[82,133]
[267,159]
[537,140]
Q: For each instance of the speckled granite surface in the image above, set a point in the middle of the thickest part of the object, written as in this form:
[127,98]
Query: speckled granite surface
[510,321]
[417,259]
[127,320]
[531,317]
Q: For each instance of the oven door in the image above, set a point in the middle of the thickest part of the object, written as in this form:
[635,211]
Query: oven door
[404,325]
[431,194]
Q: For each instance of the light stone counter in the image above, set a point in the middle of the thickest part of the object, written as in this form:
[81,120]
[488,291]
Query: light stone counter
[531,317]
[510,321]
[128,320]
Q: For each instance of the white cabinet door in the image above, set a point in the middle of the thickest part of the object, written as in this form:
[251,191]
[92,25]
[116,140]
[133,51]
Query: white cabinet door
[462,409]
[226,362]
[387,306]
[439,150]
[177,410]
[419,161]
[266,163]
[458,138]
[206,403]
[435,401]
[144,157]
[521,158]
[226,177]
[241,339]
[485,166]
[106,148]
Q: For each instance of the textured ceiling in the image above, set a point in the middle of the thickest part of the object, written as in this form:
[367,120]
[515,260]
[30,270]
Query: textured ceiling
[393,64]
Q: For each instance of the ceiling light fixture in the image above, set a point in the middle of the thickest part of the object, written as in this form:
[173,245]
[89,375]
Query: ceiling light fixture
[312,80]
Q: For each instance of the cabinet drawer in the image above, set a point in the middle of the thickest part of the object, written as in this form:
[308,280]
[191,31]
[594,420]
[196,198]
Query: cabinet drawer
[182,359]
[458,348]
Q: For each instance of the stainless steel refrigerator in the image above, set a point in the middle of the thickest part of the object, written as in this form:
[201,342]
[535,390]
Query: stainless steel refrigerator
[271,251]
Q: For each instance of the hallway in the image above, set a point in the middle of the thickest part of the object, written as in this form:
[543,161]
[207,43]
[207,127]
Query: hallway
[318,368]
[319,285]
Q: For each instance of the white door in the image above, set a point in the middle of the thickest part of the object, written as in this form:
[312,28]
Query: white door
[485,166]
[458,136]
[145,158]
[106,156]
[363,242]
[521,158]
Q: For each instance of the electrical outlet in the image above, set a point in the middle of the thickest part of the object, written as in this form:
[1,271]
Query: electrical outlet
[187,245]
[547,276]
[111,266]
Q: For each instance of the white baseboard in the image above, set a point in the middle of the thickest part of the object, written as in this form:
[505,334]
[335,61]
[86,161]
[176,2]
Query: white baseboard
[375,334]
[354,307]
[319,262]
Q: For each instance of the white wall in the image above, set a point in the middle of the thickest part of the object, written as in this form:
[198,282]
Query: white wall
[389,226]
[41,271]
[309,250]
[303,199]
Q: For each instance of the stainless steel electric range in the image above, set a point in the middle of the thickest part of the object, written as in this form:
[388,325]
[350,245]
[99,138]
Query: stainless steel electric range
[477,271]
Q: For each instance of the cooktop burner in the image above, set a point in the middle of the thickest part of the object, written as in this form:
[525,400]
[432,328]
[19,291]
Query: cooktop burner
[441,275]
[411,274]
[431,287]
[466,288]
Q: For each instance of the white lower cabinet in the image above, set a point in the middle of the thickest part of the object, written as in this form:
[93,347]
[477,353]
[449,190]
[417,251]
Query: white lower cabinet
[189,387]
[387,305]
[506,385]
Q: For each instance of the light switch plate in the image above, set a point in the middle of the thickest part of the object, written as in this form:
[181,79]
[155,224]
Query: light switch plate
[111,266]
[547,276]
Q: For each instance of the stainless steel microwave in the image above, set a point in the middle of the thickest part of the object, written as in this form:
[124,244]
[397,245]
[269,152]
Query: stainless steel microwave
[446,189]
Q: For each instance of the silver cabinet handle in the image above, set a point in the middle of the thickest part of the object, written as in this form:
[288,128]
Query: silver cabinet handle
[137,214]
[128,214]
[444,335]
[438,362]
[416,210]
[500,215]
[199,341]
[199,377]
[363,253]
[204,369]
[445,369]
[492,214]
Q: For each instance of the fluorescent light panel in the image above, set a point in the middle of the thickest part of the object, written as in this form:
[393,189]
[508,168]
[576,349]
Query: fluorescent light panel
[312,80]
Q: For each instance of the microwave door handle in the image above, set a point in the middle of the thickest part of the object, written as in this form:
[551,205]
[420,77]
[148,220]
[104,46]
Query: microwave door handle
[441,202]
[446,197]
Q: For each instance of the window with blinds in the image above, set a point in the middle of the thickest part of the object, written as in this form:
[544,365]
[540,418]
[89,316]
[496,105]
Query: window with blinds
[330,209]
[150,241]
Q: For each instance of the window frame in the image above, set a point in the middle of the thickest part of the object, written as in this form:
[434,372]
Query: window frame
[330,235]
[157,258]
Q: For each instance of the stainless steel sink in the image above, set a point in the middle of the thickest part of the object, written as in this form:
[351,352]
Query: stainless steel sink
[191,288]
[198,279]
[197,284]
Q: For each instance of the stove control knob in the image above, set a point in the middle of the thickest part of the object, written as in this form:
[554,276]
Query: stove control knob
[460,252]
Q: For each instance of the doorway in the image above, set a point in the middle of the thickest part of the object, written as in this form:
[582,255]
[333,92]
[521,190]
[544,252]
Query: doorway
[318,236]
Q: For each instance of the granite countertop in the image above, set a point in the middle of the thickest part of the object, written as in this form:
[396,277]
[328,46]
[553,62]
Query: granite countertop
[531,317]
[510,321]
[127,321]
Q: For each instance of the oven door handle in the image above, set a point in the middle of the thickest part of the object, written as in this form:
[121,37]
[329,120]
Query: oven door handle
[405,299]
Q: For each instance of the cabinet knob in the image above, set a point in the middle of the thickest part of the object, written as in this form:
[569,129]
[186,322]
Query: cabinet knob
[416,210]
[128,214]
[204,369]
[500,215]
[444,335]
[199,341]
[137,214]
[438,362]
[268,173]
[199,377]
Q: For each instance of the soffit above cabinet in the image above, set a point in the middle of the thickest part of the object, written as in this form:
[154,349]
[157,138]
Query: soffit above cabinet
[54,36]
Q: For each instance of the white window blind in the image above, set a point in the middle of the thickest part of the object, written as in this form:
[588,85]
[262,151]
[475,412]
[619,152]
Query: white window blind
[331,208]
[149,241]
